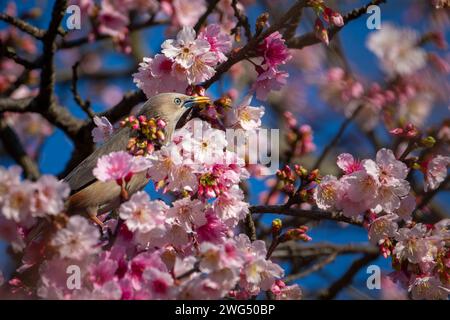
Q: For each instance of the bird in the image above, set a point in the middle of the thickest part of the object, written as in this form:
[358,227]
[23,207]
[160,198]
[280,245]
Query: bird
[93,197]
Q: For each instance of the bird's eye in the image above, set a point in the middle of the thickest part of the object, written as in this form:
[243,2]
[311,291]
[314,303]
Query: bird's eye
[177,101]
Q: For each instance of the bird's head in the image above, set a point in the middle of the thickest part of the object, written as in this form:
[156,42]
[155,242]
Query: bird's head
[171,106]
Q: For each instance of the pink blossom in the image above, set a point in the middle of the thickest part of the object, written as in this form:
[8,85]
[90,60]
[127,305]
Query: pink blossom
[436,172]
[49,196]
[144,215]
[413,246]
[119,166]
[186,48]
[269,80]
[187,12]
[77,240]
[112,21]
[160,284]
[383,228]
[220,42]
[230,207]
[333,17]
[214,230]
[248,117]
[284,292]
[407,206]
[274,50]
[328,193]
[397,49]
[188,213]
[16,206]
[160,74]
[390,173]
[9,178]
[103,129]
[348,164]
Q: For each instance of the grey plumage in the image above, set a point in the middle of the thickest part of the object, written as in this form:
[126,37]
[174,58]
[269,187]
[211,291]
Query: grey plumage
[88,194]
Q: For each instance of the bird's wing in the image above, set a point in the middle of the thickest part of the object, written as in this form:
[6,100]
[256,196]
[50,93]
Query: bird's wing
[82,175]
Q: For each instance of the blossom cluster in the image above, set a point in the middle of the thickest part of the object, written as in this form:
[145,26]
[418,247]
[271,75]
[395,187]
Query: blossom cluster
[149,249]
[379,186]
[234,267]
[275,53]
[420,255]
[22,203]
[188,59]
[378,192]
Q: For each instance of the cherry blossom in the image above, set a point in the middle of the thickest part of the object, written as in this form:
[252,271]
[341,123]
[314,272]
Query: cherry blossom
[103,129]
[436,171]
[269,80]
[397,50]
[119,166]
[274,50]
[219,42]
[78,239]
[142,214]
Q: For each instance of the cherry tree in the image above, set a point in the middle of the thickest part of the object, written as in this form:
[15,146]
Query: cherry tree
[206,227]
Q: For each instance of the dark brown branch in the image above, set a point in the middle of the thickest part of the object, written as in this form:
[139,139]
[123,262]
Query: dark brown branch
[22,25]
[14,147]
[314,268]
[15,105]
[212,5]
[242,20]
[311,39]
[48,69]
[10,53]
[85,105]
[309,214]
[295,249]
[250,227]
[246,51]
[348,276]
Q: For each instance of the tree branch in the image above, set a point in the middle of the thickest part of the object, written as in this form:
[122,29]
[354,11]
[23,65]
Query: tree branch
[347,277]
[84,105]
[23,25]
[212,5]
[309,214]
[336,138]
[14,147]
[10,53]
[311,39]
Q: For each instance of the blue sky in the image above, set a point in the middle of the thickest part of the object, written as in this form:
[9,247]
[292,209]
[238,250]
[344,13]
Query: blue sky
[57,149]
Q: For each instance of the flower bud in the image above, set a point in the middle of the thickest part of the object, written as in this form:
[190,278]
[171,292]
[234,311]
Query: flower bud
[276,227]
[428,142]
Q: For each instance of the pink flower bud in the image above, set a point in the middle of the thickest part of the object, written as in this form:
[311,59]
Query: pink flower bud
[337,19]
[161,123]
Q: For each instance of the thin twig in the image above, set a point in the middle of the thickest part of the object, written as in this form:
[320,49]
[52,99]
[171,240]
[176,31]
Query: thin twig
[336,138]
[85,105]
[23,25]
[14,147]
[310,214]
[348,276]
[212,5]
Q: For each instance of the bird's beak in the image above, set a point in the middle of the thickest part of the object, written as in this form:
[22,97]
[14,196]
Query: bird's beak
[196,101]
